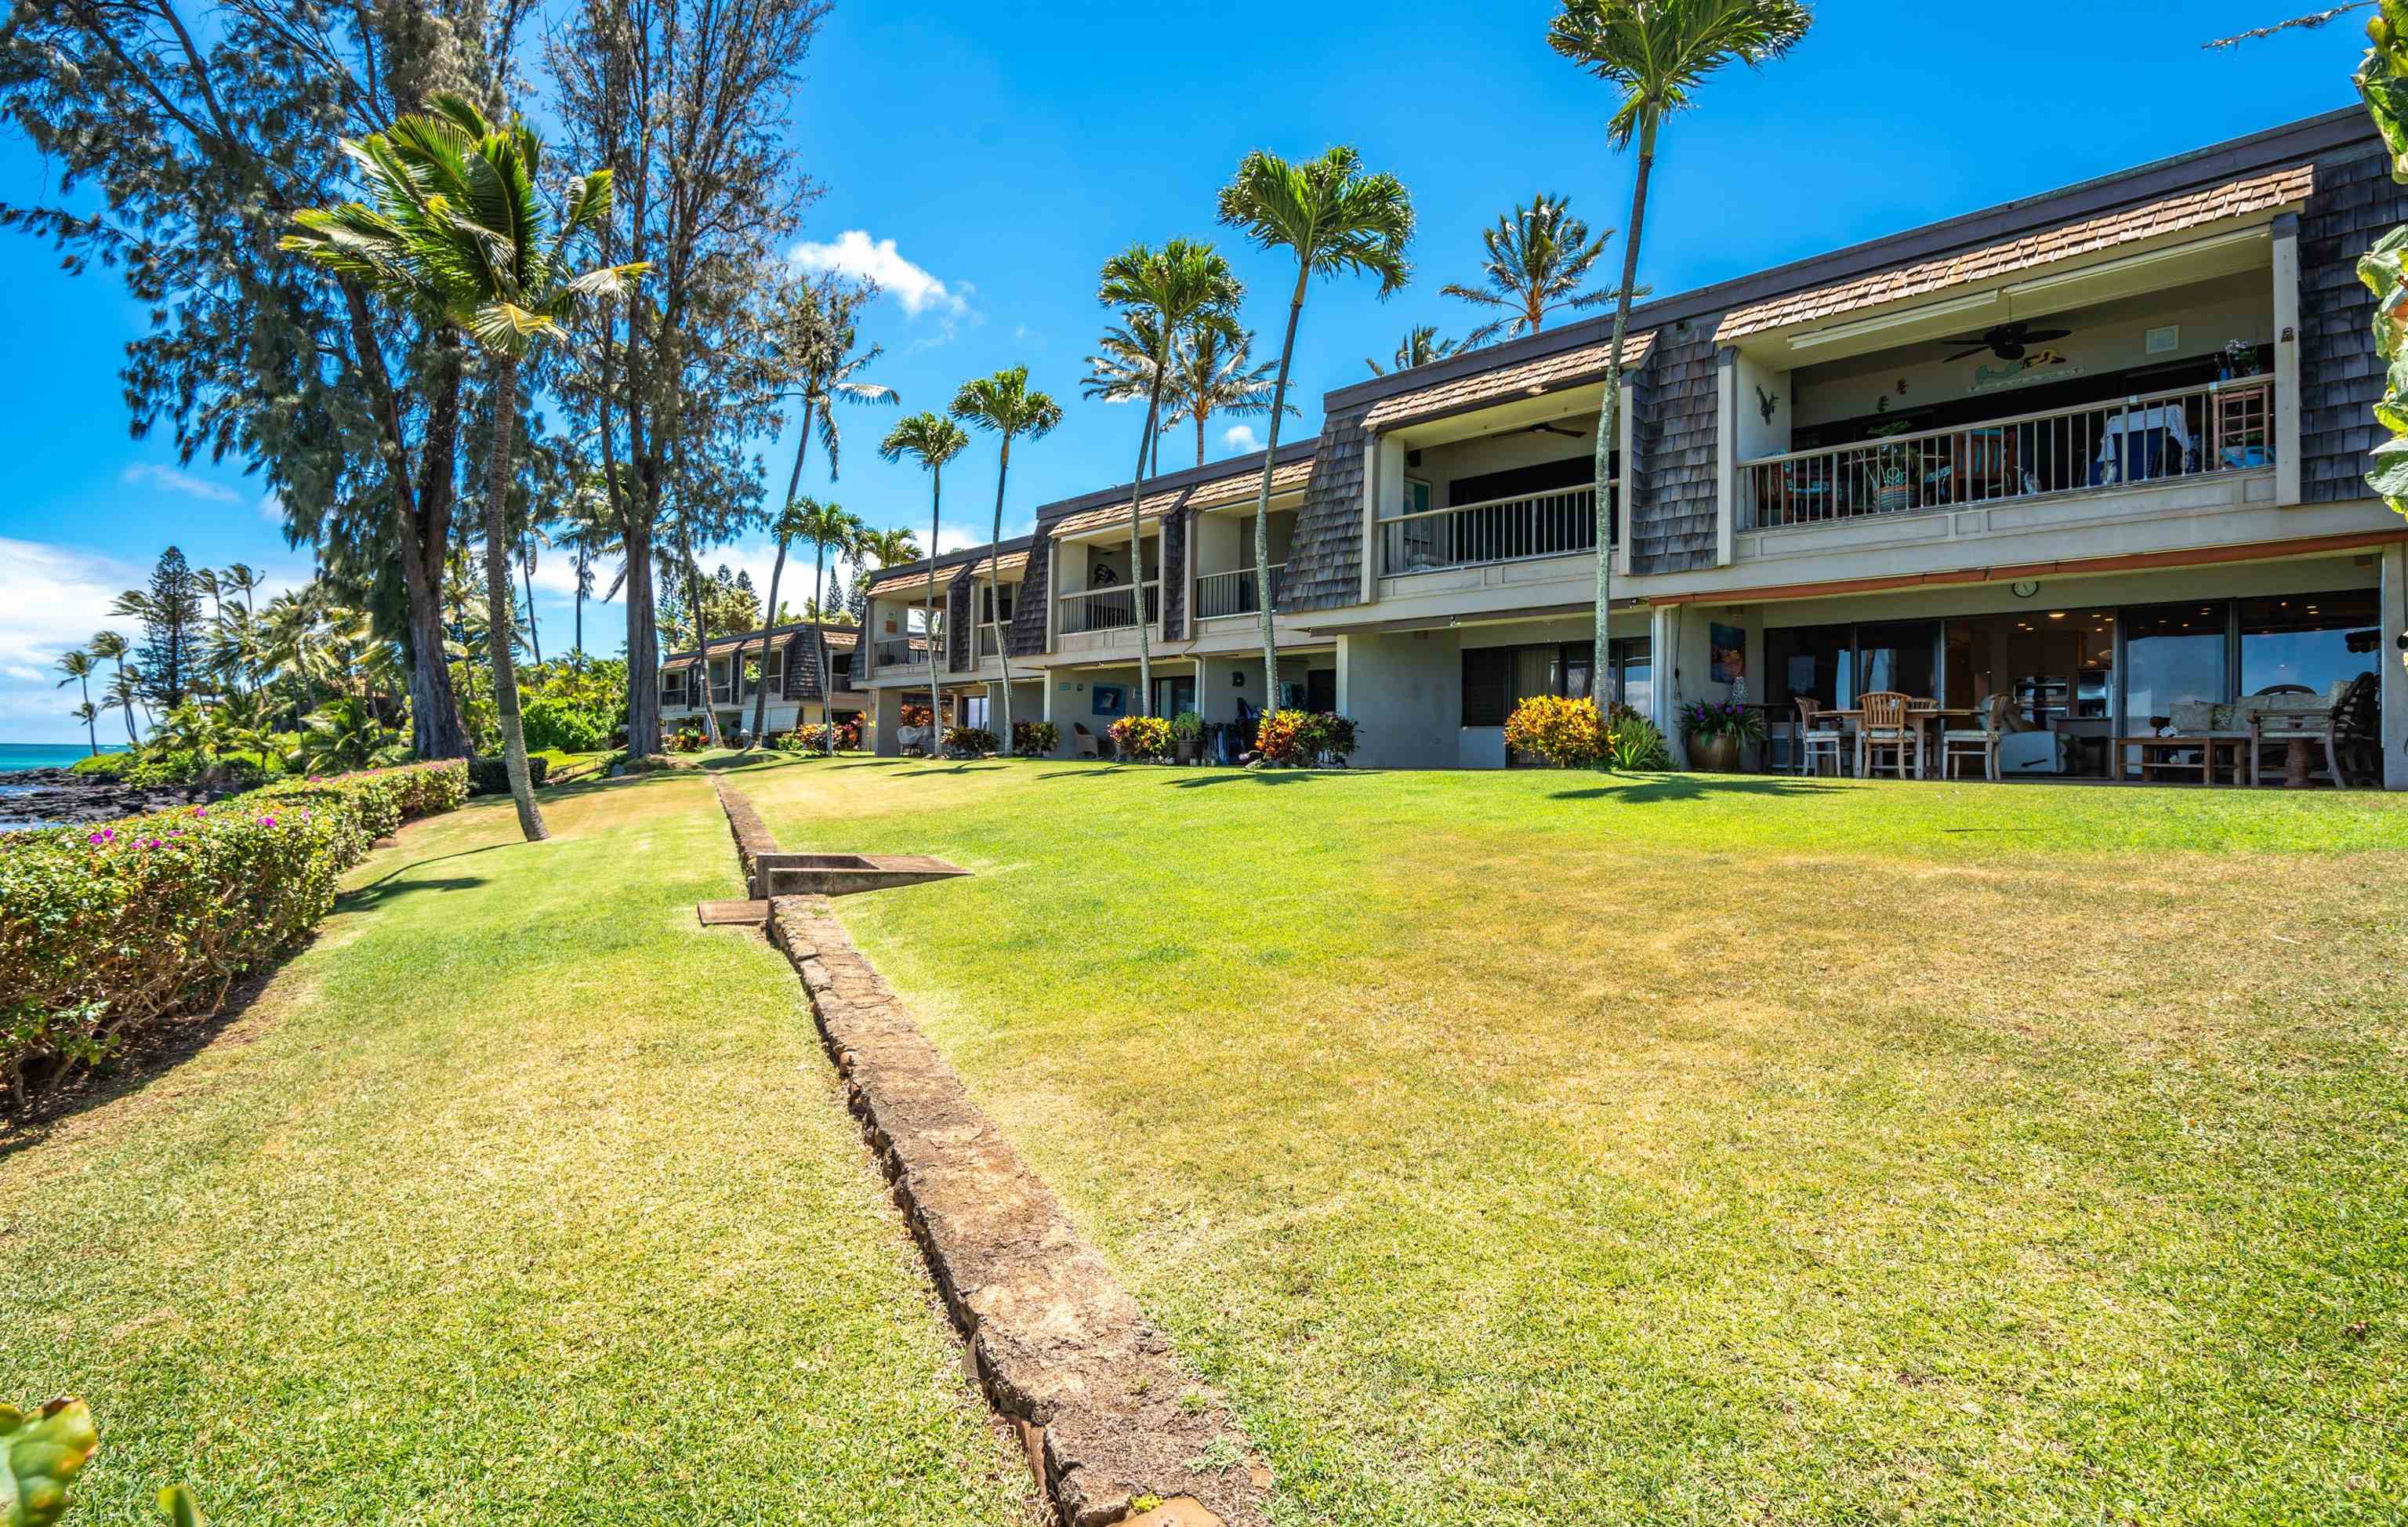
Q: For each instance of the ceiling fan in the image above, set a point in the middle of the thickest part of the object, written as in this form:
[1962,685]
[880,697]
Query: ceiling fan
[1556,429]
[2007,341]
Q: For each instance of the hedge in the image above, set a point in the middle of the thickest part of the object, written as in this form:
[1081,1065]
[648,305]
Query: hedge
[107,931]
[491,777]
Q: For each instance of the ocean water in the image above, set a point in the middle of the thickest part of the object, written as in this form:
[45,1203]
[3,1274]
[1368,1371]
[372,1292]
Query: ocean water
[16,756]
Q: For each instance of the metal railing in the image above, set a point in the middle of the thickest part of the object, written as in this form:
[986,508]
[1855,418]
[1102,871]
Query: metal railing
[1107,608]
[902,652]
[1232,593]
[1553,524]
[2223,426]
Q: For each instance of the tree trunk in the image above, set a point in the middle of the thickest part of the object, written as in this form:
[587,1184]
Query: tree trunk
[1200,439]
[643,644]
[936,688]
[1263,500]
[994,561]
[577,630]
[818,641]
[1609,416]
[534,638]
[769,616]
[702,635]
[497,597]
[1137,541]
[761,693]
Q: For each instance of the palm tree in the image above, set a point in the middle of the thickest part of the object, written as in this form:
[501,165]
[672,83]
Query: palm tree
[1335,219]
[1536,258]
[1210,375]
[931,439]
[1124,370]
[243,578]
[77,667]
[113,646]
[1421,346]
[346,736]
[125,689]
[86,714]
[1184,289]
[1656,53]
[813,349]
[458,233]
[289,634]
[829,529]
[1004,404]
[888,547]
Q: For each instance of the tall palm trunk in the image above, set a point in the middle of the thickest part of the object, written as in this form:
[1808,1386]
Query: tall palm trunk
[1609,416]
[702,634]
[928,621]
[1263,499]
[769,616]
[577,630]
[819,642]
[994,562]
[534,636]
[498,599]
[1136,540]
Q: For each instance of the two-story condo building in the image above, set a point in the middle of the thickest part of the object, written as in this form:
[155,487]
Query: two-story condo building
[728,676]
[2100,451]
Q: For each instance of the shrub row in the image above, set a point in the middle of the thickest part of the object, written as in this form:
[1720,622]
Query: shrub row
[106,930]
[1297,739]
[1574,734]
[491,777]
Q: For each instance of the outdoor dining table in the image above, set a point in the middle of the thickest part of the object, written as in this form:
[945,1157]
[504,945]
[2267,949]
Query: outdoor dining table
[1920,716]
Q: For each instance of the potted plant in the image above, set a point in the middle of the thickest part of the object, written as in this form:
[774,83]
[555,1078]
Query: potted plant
[1715,729]
[1894,465]
[1187,735]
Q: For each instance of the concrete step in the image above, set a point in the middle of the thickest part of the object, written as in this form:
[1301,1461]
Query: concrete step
[733,914]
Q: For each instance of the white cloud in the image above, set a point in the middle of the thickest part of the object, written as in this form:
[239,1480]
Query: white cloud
[855,253]
[271,508]
[1241,439]
[176,481]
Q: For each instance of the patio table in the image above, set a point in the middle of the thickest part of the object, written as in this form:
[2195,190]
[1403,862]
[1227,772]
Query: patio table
[1920,714]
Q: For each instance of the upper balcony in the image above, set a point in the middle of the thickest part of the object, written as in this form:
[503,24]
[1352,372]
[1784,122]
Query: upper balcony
[1096,603]
[1227,587]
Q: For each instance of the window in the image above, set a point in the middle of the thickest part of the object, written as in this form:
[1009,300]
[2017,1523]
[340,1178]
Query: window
[2172,654]
[973,711]
[1496,678]
[1810,662]
[773,672]
[998,607]
[840,666]
[2309,641]
[673,687]
[1321,689]
[1898,655]
[1636,673]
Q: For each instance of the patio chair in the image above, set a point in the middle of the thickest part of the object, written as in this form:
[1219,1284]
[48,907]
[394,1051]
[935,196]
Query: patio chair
[2351,732]
[1976,742]
[1817,740]
[1891,726]
[1088,745]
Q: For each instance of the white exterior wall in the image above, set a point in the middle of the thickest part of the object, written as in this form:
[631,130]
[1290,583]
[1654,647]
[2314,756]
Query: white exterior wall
[1404,690]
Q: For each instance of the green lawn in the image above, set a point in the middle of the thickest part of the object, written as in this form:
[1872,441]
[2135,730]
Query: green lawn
[516,1198]
[1548,1148]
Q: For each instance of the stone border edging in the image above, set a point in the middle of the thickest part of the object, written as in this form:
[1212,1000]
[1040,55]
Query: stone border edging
[751,834]
[1107,1412]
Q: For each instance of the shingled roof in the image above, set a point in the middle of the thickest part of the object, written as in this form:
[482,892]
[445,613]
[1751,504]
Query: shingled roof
[1215,493]
[1529,378]
[1989,262]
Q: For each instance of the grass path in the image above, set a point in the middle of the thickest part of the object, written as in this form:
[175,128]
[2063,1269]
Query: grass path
[514,1199]
[1536,1149]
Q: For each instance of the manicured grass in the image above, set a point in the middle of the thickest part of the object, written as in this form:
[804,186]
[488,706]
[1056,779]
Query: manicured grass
[516,1198]
[1548,1149]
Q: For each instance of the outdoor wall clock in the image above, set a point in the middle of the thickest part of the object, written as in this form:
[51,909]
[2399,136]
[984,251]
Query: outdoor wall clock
[2023,588]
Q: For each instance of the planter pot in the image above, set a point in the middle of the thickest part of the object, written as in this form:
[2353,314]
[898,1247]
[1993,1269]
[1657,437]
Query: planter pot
[1190,752]
[1717,754]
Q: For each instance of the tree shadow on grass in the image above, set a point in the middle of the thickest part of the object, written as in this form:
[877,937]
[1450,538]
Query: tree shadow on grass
[1242,776]
[957,768]
[1102,768]
[876,763]
[1697,788]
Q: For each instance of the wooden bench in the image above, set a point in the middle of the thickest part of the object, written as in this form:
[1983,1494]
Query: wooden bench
[2157,753]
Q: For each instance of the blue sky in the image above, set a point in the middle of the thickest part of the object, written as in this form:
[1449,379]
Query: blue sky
[1005,151]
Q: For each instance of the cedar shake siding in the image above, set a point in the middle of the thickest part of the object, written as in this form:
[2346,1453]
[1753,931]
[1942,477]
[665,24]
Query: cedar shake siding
[1028,607]
[957,620]
[1174,574]
[1671,517]
[2341,377]
[1324,555]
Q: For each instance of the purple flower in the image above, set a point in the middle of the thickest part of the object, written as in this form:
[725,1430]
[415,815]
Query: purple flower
[103,835]
[200,811]
[267,821]
[305,815]
[150,842]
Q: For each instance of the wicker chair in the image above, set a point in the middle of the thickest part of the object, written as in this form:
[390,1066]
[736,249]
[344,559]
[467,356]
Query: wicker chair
[1890,725]
[1089,747]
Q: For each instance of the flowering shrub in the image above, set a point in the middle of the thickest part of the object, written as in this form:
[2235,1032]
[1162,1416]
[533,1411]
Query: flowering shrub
[1721,718]
[813,737]
[106,930]
[683,739]
[1141,736]
[969,740]
[914,715]
[1568,733]
[1033,738]
[1297,739]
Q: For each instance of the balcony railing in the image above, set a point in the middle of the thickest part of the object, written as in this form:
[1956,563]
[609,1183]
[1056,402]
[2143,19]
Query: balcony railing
[902,652]
[1108,609]
[1232,593]
[1553,523]
[987,644]
[2223,426]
